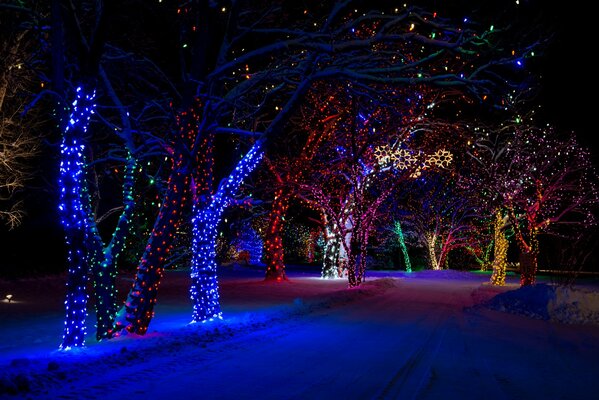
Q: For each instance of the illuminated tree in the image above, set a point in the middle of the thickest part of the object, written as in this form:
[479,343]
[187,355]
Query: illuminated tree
[533,183]
[18,147]
[442,214]
[73,197]
[75,206]
[80,192]
[361,172]
[19,133]
[290,169]
[402,244]
[482,244]
[247,240]
[204,287]
[487,176]
[551,190]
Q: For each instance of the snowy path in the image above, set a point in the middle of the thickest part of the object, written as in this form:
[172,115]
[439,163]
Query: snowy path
[396,339]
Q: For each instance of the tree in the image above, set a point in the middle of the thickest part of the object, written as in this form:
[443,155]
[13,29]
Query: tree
[444,216]
[19,133]
[18,146]
[83,48]
[289,169]
[363,169]
[489,171]
[534,183]
[552,190]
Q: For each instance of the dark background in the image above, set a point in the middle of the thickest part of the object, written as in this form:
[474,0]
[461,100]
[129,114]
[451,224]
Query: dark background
[567,88]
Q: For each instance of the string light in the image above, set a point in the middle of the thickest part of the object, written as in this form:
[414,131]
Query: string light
[273,244]
[74,217]
[204,287]
[247,241]
[402,245]
[140,302]
[104,258]
[500,254]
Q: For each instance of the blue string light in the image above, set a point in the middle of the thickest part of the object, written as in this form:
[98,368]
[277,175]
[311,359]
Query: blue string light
[73,218]
[204,287]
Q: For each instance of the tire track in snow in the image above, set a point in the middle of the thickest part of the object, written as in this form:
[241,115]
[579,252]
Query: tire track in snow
[447,326]
[480,368]
[416,372]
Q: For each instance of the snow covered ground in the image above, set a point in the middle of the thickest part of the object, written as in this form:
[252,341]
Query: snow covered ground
[426,335]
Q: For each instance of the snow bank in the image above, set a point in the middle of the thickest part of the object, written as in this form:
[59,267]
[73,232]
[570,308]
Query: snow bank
[562,304]
[574,306]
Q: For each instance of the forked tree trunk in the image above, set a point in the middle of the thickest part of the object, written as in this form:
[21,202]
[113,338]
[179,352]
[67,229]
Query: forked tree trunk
[204,286]
[103,260]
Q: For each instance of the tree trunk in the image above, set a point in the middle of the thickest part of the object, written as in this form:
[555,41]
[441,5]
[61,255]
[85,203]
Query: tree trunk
[275,266]
[500,252]
[402,246]
[104,259]
[73,208]
[528,263]
[443,257]
[485,262]
[431,242]
[363,236]
[330,261]
[204,287]
[204,282]
[354,257]
[353,280]
[139,307]
[72,179]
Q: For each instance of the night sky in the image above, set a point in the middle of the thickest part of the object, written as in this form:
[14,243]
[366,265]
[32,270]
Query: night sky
[568,74]
[567,77]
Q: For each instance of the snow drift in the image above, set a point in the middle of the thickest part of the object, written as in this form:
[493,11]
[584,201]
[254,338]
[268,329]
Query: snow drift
[561,304]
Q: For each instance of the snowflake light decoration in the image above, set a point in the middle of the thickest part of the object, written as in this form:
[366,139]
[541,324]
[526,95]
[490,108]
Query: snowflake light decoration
[403,159]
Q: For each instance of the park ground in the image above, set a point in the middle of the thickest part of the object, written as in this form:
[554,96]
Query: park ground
[424,335]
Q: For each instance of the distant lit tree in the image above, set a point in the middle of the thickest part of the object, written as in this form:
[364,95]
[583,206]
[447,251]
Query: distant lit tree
[444,217]
[534,183]
[552,190]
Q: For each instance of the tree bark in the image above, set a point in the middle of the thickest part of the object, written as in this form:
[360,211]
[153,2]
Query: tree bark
[402,246]
[431,242]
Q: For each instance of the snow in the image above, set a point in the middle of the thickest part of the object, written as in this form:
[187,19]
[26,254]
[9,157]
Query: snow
[424,335]
[562,304]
